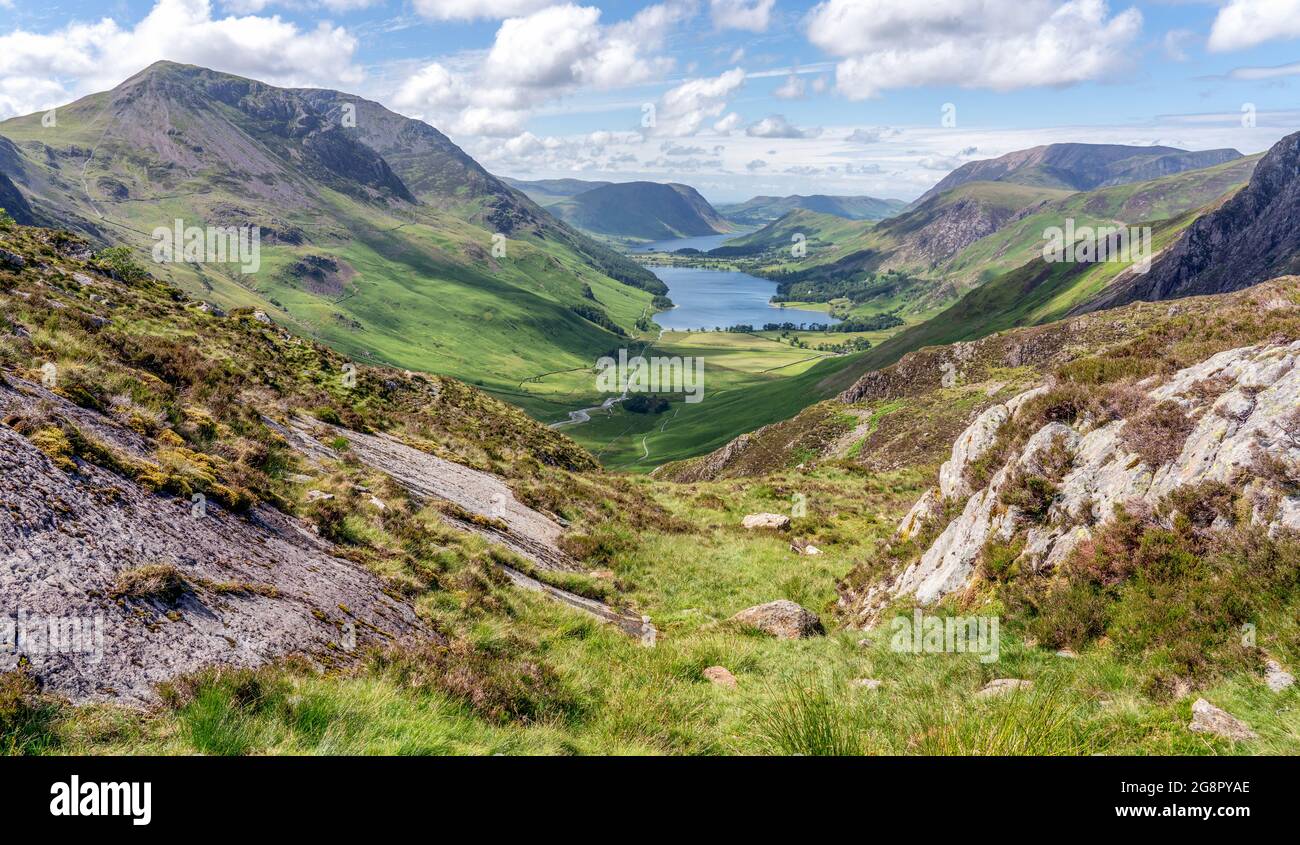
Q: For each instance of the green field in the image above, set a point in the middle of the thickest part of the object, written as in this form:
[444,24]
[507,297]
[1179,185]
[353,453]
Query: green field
[749,381]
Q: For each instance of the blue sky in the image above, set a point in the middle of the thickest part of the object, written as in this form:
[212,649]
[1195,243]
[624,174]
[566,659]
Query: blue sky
[747,96]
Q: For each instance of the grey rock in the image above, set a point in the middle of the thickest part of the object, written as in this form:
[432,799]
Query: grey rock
[1208,719]
[1003,686]
[775,521]
[782,618]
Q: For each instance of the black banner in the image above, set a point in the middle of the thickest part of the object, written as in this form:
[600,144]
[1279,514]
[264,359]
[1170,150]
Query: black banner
[191,794]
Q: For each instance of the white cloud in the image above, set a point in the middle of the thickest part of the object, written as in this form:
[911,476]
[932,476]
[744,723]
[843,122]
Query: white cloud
[467,10]
[792,89]
[871,135]
[738,14]
[728,124]
[684,109]
[998,44]
[1245,23]
[536,59]
[82,58]
[249,7]
[1292,69]
[756,165]
[776,126]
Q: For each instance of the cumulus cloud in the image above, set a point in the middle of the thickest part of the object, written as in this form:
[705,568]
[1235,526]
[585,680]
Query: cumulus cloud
[754,15]
[997,44]
[1245,23]
[728,124]
[683,110]
[38,71]
[537,58]
[776,126]
[756,165]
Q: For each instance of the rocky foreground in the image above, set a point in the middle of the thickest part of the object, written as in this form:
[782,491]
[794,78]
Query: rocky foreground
[1232,421]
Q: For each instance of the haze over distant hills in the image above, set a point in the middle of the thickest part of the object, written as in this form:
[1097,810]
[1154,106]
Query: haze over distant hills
[645,210]
[550,191]
[764,209]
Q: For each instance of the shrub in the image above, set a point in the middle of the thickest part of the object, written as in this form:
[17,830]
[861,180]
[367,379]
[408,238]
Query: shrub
[160,582]
[492,680]
[1031,494]
[1157,434]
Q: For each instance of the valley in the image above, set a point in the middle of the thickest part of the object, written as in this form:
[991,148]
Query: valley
[376,493]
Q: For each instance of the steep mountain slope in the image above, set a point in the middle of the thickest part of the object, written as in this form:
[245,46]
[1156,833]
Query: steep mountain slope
[1253,236]
[379,236]
[550,191]
[215,490]
[643,210]
[764,209]
[1080,167]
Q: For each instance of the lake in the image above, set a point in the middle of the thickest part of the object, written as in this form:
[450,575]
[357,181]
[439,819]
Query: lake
[708,299]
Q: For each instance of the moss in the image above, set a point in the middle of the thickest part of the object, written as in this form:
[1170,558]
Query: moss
[56,446]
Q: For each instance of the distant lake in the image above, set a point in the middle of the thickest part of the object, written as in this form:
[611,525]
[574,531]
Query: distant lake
[703,243]
[707,299]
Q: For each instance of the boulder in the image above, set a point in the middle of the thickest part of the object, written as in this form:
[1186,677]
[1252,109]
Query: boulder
[804,547]
[783,619]
[720,676]
[775,521]
[1276,677]
[1208,719]
[1002,686]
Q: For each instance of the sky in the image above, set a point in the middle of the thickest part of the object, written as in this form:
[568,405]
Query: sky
[735,97]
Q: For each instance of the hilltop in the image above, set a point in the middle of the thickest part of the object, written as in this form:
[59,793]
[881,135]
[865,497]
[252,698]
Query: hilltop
[380,236]
[642,210]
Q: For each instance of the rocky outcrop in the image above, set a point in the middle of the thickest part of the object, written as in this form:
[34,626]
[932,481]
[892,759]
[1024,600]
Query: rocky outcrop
[1252,237]
[782,619]
[1239,408]
[241,589]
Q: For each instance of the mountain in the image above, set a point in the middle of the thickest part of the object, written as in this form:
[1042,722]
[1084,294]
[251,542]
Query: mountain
[550,191]
[764,209]
[1254,235]
[379,235]
[1080,167]
[643,210]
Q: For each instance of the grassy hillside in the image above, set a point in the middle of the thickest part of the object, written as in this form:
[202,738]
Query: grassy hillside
[405,223]
[521,675]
